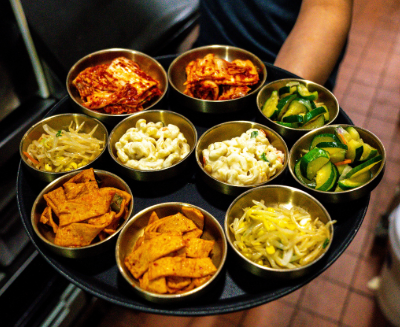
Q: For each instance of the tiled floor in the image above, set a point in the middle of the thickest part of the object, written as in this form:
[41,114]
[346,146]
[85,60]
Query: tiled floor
[368,89]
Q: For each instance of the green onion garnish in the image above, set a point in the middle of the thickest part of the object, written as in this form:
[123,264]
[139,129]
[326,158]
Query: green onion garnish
[326,242]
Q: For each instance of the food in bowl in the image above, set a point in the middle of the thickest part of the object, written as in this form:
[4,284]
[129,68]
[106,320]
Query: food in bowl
[81,213]
[244,160]
[117,88]
[280,236]
[64,150]
[152,146]
[212,78]
[337,161]
[170,257]
[294,106]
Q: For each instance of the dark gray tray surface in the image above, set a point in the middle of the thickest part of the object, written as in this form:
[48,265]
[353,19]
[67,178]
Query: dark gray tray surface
[236,289]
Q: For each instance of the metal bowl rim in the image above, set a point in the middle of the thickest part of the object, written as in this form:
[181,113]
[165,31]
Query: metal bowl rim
[171,296]
[44,120]
[337,107]
[244,186]
[145,112]
[66,177]
[99,52]
[216,46]
[276,270]
[296,144]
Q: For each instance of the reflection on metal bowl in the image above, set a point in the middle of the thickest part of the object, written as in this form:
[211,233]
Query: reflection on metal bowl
[62,122]
[166,117]
[274,195]
[304,142]
[288,133]
[148,64]
[46,236]
[177,78]
[227,131]
[134,229]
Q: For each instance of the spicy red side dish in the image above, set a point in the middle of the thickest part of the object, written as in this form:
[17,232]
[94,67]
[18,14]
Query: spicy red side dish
[116,88]
[212,78]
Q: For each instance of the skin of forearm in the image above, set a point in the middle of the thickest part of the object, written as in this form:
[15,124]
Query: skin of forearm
[317,39]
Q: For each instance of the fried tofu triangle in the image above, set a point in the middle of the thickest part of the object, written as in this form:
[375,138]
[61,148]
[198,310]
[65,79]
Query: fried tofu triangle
[181,267]
[170,257]
[138,261]
[81,213]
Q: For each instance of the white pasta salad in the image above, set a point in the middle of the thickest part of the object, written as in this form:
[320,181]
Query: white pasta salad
[244,160]
[152,146]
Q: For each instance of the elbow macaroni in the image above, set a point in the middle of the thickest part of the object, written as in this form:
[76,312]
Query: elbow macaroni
[244,160]
[151,146]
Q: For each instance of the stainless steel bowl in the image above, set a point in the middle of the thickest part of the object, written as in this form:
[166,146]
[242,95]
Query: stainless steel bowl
[166,117]
[288,133]
[336,197]
[134,229]
[46,236]
[59,122]
[273,195]
[227,131]
[177,78]
[146,63]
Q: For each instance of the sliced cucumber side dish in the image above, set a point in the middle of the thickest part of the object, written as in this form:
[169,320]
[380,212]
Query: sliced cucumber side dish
[283,105]
[299,175]
[337,151]
[270,106]
[325,137]
[306,94]
[313,161]
[326,177]
[315,123]
[295,104]
[365,166]
[338,162]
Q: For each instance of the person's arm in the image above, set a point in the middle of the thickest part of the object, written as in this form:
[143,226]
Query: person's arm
[317,39]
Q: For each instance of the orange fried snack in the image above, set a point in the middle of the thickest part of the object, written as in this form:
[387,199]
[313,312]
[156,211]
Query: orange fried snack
[88,205]
[76,234]
[84,176]
[138,261]
[80,212]
[164,267]
[212,78]
[75,190]
[181,267]
[55,199]
[158,285]
[195,215]
[198,248]
[47,218]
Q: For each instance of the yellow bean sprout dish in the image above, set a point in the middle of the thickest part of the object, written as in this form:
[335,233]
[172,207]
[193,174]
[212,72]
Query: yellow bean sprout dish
[60,151]
[280,237]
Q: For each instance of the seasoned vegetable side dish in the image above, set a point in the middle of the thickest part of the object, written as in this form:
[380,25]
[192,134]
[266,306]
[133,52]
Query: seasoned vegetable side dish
[244,160]
[337,162]
[59,151]
[81,213]
[151,146]
[212,78]
[170,257]
[295,106]
[120,87]
[280,236]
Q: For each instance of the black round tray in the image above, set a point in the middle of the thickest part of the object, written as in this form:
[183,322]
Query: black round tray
[236,289]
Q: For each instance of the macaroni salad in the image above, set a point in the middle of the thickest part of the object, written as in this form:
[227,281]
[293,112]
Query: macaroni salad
[244,160]
[151,146]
